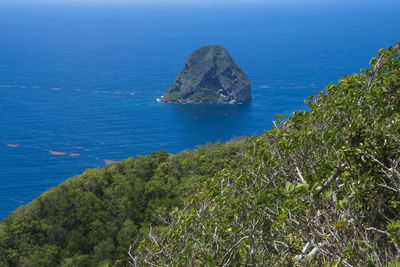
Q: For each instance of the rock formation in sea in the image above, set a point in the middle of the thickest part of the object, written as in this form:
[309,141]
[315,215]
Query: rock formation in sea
[210,75]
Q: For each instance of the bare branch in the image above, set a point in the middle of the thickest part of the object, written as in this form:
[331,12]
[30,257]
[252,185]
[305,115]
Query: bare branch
[330,180]
[300,176]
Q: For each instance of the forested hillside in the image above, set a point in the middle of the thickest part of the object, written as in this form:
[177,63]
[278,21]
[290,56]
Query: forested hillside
[321,187]
[91,219]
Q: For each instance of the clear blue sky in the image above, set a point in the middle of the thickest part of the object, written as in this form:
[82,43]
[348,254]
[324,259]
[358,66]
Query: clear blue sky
[181,2]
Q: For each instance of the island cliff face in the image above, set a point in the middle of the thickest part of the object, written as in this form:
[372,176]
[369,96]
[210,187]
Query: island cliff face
[210,75]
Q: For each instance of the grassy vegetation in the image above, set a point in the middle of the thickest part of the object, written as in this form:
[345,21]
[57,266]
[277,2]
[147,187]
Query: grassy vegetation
[206,96]
[206,69]
[171,97]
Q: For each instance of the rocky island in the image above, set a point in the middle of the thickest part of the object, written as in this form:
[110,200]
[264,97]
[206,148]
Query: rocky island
[210,75]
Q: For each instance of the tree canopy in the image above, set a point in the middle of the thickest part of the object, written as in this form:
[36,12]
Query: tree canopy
[91,219]
[321,187]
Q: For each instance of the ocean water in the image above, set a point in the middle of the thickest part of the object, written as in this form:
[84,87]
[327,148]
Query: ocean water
[78,85]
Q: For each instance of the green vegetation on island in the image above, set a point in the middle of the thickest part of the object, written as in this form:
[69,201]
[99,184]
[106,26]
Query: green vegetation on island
[321,188]
[210,75]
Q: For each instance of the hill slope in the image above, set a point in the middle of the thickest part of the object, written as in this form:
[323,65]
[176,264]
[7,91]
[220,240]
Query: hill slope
[322,187]
[91,219]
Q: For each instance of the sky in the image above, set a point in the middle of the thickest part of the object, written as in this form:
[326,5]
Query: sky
[178,2]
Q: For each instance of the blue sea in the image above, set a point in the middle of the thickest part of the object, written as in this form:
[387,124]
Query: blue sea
[78,84]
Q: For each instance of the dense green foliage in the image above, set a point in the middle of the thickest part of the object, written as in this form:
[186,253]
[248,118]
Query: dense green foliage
[320,188]
[91,219]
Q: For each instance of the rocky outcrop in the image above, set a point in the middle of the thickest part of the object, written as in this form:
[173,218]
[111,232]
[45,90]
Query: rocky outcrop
[210,76]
